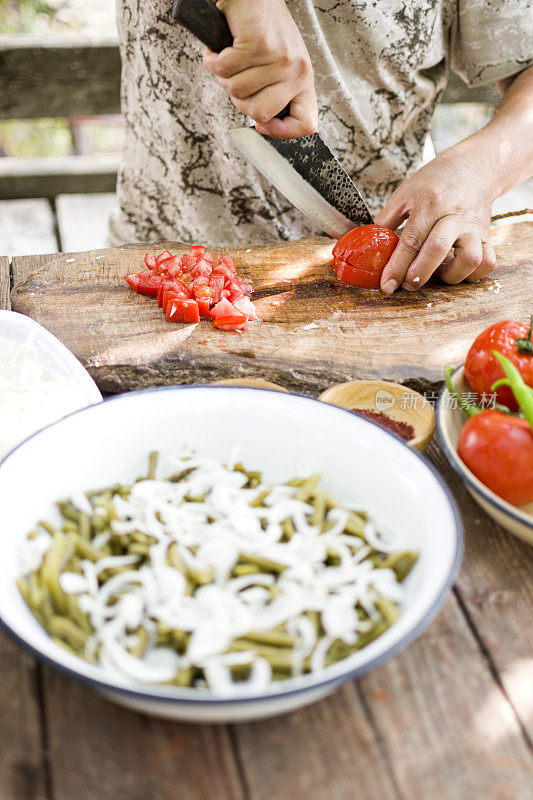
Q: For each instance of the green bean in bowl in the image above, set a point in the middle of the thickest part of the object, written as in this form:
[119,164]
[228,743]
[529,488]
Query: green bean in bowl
[201,575]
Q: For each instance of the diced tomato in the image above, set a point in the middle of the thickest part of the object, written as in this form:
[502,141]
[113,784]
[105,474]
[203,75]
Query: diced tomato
[227,261]
[203,307]
[223,309]
[183,311]
[133,280]
[173,294]
[222,269]
[246,307]
[216,284]
[144,283]
[164,286]
[202,267]
[162,256]
[170,265]
[188,287]
[235,323]
[188,263]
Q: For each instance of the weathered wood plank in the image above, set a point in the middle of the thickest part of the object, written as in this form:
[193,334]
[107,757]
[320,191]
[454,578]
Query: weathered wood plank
[99,750]
[328,751]
[4,283]
[48,177]
[496,586]
[22,771]
[355,333]
[430,710]
[82,220]
[27,227]
[424,706]
[68,77]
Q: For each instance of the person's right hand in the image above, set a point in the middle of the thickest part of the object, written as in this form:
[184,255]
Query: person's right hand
[267,68]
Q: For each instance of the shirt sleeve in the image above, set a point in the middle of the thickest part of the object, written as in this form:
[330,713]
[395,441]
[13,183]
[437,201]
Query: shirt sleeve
[491,39]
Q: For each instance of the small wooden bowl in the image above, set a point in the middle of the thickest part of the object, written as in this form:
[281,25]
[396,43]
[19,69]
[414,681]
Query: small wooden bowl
[396,401]
[254,383]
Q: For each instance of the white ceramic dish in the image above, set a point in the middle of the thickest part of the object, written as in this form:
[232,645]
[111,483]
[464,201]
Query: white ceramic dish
[450,420]
[20,329]
[281,435]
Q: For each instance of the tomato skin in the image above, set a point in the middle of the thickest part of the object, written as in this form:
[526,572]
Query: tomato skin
[234,323]
[482,369]
[133,280]
[164,286]
[162,256]
[144,283]
[149,260]
[179,310]
[203,307]
[173,294]
[360,256]
[498,449]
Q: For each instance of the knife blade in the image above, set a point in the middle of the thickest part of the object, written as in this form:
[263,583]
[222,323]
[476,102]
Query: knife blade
[304,170]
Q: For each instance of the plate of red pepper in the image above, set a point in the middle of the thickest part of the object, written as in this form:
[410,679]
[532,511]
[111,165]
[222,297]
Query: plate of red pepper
[485,423]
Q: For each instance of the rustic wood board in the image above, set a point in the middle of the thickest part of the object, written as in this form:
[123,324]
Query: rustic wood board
[126,343]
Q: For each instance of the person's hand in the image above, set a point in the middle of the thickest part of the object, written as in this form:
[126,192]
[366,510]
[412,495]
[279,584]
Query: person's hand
[267,67]
[447,203]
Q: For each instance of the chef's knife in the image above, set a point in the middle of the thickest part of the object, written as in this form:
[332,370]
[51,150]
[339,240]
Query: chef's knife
[304,170]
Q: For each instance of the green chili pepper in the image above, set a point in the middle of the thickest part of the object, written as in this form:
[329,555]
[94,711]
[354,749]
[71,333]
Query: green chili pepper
[470,409]
[513,379]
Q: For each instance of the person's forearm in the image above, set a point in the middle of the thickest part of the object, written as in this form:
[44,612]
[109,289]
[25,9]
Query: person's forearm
[505,144]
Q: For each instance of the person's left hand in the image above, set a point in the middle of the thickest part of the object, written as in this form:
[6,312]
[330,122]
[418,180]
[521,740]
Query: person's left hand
[447,203]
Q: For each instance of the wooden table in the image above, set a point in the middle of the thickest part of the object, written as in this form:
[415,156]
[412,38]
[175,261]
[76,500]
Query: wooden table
[451,718]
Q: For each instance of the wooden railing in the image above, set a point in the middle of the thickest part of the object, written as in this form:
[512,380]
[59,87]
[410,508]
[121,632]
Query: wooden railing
[80,77]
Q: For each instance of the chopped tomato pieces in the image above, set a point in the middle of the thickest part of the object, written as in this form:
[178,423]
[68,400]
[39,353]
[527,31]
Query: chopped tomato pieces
[191,286]
[162,256]
[149,260]
[235,323]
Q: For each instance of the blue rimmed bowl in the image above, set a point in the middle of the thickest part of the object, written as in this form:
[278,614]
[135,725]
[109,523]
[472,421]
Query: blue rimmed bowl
[280,434]
[450,420]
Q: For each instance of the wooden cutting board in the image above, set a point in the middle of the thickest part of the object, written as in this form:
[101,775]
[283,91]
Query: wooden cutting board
[314,332]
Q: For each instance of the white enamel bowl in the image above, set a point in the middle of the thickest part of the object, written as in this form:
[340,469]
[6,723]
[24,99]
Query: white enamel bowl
[450,420]
[21,329]
[281,435]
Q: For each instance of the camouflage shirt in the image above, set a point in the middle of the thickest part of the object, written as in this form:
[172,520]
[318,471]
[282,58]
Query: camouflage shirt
[380,67]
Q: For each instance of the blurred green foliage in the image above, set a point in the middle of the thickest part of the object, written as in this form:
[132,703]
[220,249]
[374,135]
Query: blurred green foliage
[41,137]
[19,16]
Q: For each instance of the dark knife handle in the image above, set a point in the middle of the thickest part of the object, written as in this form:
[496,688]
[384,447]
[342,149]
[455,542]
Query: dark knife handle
[203,19]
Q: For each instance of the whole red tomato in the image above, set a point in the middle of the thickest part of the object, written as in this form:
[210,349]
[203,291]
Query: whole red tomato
[498,449]
[359,256]
[482,368]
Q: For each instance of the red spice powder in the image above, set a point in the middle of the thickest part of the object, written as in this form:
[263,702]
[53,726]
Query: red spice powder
[403,429]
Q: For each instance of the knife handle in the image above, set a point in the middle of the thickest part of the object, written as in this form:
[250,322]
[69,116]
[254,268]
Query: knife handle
[203,19]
